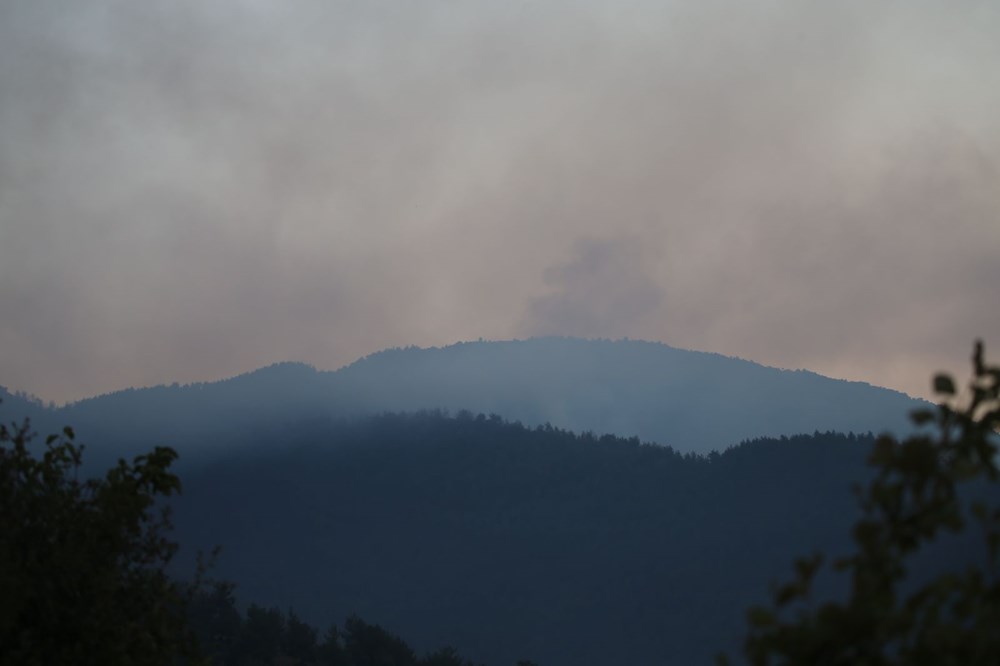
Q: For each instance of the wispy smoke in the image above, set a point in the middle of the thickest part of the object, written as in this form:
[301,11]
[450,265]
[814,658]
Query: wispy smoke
[190,189]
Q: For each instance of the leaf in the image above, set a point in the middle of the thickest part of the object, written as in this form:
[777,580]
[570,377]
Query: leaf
[760,617]
[944,384]
[883,451]
[921,416]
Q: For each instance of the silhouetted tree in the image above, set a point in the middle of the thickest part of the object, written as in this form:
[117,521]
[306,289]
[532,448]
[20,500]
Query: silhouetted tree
[371,645]
[446,656]
[927,486]
[260,641]
[299,640]
[82,562]
[216,621]
[331,651]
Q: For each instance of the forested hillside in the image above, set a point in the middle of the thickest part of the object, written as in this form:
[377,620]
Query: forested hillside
[691,401]
[502,540]
[329,495]
[507,541]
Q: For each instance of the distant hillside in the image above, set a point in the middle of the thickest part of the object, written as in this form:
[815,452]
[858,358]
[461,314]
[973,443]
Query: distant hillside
[19,406]
[692,401]
[507,542]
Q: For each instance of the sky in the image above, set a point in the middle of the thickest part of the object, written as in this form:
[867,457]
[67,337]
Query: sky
[190,189]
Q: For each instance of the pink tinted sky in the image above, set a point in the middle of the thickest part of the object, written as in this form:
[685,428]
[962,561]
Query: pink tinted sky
[190,190]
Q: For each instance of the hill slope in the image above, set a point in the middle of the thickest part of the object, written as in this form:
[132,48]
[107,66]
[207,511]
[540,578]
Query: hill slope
[509,542]
[692,401]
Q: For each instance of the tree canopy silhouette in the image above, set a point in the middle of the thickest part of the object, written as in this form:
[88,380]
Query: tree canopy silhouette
[82,562]
[927,486]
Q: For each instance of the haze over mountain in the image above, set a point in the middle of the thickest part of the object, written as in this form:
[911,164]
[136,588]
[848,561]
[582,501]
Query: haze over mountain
[691,401]
[500,539]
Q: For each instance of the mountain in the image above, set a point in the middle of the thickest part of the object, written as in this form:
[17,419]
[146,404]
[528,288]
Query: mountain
[509,539]
[691,401]
[509,542]
[19,406]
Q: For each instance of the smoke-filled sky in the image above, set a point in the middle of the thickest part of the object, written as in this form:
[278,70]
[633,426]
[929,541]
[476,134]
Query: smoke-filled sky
[190,189]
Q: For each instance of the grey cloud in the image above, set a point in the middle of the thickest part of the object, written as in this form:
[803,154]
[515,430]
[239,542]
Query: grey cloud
[189,190]
[602,292]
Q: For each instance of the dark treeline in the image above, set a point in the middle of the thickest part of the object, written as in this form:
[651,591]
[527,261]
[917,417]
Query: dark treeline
[269,637]
[507,541]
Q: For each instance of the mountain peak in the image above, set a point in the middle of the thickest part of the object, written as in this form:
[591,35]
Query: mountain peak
[692,401]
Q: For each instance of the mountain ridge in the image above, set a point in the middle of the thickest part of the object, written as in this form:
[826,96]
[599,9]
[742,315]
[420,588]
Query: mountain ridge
[694,401]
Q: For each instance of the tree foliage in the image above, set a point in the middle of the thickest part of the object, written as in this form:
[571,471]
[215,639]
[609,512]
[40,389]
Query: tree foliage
[82,562]
[562,543]
[266,636]
[940,481]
